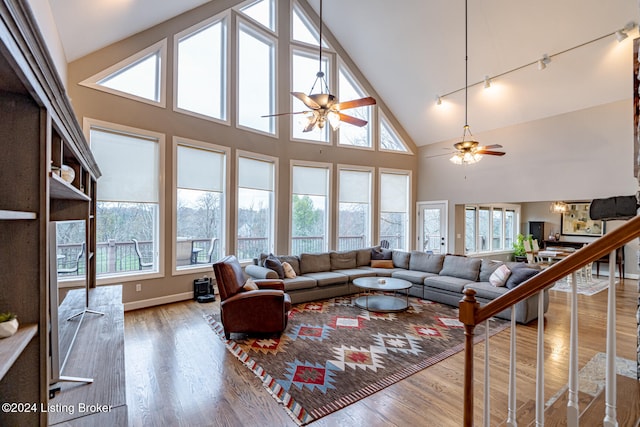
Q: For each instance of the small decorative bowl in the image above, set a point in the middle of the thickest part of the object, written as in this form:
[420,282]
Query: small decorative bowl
[67,173]
[8,328]
[382,281]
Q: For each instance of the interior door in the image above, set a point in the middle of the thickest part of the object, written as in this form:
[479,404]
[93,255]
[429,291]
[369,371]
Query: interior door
[432,227]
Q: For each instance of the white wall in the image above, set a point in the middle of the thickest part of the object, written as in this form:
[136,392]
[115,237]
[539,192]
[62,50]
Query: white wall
[44,17]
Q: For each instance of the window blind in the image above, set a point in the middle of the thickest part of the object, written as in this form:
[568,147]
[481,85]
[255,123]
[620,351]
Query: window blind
[200,169]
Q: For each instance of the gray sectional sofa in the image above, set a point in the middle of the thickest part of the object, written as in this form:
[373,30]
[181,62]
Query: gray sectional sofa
[439,278]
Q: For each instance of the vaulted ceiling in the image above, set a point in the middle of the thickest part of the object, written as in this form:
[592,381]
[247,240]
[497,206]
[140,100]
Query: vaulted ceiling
[413,50]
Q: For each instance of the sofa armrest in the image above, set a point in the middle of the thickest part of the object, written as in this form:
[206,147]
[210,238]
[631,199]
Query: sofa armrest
[259,272]
[274,284]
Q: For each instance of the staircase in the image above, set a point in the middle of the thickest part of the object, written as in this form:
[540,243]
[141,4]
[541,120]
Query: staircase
[572,408]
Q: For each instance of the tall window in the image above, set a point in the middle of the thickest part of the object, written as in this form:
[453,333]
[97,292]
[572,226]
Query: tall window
[128,200]
[389,138]
[256,79]
[202,70]
[490,228]
[309,209]
[354,210]
[353,135]
[394,209]
[200,205]
[304,68]
[256,206]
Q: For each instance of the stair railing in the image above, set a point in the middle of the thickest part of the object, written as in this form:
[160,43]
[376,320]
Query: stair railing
[472,314]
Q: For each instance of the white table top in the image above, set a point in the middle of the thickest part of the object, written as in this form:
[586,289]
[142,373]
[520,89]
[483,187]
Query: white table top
[382,283]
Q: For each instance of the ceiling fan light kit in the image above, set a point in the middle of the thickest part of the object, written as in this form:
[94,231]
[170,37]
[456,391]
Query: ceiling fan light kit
[324,107]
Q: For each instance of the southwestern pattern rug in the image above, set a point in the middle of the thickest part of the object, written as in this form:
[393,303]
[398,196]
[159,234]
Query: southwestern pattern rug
[333,353]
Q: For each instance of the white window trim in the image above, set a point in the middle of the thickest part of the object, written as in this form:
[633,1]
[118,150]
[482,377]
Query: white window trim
[268,37]
[382,116]
[491,206]
[410,202]
[329,224]
[372,191]
[161,47]
[224,17]
[274,5]
[186,142]
[89,123]
[276,176]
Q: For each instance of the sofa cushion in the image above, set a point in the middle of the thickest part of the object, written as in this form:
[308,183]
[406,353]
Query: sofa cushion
[412,276]
[327,278]
[381,272]
[520,275]
[447,283]
[461,267]
[499,277]
[354,273]
[363,257]
[487,268]
[401,259]
[343,260]
[421,261]
[313,263]
[292,260]
[382,263]
[380,253]
[486,290]
[274,264]
[300,282]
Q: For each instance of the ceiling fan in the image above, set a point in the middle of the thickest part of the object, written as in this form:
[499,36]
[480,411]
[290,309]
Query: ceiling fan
[324,106]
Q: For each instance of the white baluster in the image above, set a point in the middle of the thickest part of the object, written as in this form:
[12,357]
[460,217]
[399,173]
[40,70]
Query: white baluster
[610,383]
[511,417]
[540,363]
[487,376]
[573,410]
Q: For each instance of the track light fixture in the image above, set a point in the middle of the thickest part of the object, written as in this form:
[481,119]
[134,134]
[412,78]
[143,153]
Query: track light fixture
[542,63]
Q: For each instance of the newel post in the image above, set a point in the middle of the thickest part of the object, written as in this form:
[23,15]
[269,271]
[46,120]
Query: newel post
[467,314]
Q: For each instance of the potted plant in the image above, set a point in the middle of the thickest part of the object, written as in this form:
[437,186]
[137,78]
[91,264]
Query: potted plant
[519,253]
[8,324]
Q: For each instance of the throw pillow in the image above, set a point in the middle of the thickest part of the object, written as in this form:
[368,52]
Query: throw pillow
[381,253]
[250,285]
[519,275]
[382,263]
[273,263]
[289,272]
[499,276]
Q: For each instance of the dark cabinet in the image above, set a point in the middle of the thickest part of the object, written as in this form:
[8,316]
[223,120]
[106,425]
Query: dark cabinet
[536,229]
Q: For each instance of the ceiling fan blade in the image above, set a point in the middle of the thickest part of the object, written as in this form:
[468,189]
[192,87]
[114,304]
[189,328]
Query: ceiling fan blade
[451,153]
[306,100]
[284,114]
[356,103]
[352,120]
[489,147]
[490,153]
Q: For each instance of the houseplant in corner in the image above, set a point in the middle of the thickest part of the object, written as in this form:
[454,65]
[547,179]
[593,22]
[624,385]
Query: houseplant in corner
[8,324]
[519,252]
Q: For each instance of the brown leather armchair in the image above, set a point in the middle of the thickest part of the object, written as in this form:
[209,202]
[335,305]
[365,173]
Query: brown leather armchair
[265,310]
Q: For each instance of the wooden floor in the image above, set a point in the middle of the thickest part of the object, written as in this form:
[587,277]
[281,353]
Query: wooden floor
[179,373]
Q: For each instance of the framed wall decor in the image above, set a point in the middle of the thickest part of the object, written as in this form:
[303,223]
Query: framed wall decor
[576,221]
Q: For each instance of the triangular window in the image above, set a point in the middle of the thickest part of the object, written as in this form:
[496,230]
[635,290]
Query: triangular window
[303,30]
[263,11]
[139,77]
[349,90]
[389,138]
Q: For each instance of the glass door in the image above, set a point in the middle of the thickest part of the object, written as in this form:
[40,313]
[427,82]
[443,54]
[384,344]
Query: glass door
[432,227]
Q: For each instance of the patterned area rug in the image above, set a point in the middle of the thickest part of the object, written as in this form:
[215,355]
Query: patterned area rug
[584,288]
[333,353]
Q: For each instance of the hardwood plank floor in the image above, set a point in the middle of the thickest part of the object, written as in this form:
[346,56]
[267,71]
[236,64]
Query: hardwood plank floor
[179,373]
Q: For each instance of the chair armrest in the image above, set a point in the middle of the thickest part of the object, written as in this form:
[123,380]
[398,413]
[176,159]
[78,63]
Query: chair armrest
[258,272]
[275,284]
[245,300]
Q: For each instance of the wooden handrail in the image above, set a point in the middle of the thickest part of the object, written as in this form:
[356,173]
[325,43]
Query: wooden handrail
[471,314]
[585,255]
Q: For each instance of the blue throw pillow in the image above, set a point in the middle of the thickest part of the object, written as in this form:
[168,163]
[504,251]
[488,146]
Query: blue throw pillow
[381,253]
[520,275]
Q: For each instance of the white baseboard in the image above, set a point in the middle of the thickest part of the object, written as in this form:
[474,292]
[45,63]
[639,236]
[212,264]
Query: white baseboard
[167,299]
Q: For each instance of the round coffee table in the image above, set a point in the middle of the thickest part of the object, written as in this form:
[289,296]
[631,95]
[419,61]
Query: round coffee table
[382,303]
